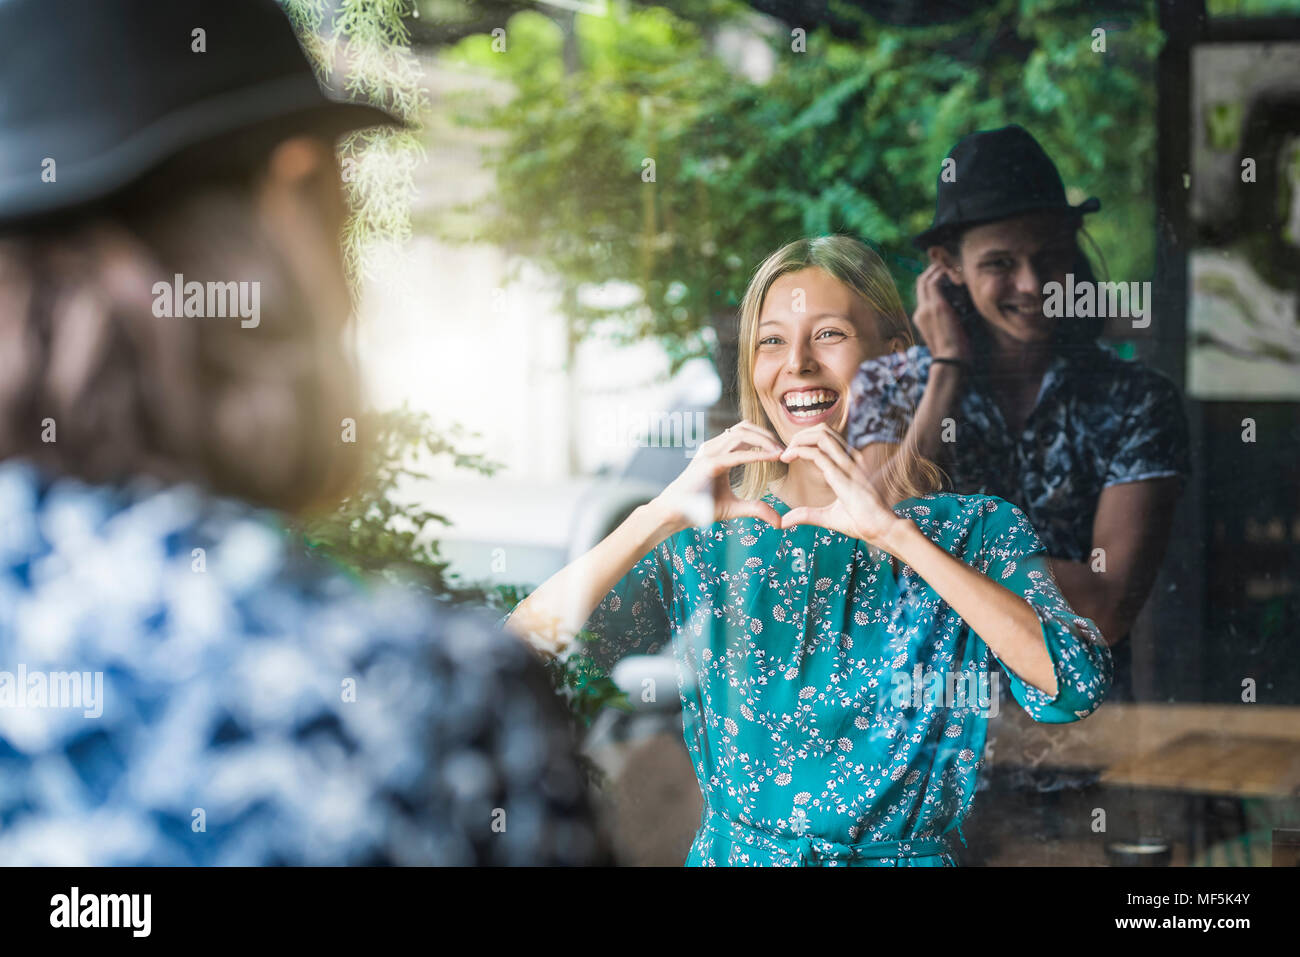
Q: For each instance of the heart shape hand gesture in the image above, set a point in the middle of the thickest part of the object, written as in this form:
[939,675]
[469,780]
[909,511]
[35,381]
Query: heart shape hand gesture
[702,494]
[857,510]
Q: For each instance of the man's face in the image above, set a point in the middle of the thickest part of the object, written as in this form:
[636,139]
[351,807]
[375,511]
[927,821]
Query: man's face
[1005,265]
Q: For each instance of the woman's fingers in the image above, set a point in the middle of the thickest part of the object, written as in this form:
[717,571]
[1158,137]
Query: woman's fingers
[758,428]
[745,426]
[841,483]
[815,454]
[827,517]
[838,453]
[854,461]
[845,486]
[830,442]
[803,515]
[746,433]
[842,465]
[813,436]
[729,460]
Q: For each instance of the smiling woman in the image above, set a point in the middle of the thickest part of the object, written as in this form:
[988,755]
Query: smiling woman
[814,311]
[790,614]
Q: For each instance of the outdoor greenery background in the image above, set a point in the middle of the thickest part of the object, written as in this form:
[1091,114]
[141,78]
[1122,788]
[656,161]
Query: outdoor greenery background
[364,48]
[847,136]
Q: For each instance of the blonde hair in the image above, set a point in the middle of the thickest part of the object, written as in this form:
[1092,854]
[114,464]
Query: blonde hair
[907,474]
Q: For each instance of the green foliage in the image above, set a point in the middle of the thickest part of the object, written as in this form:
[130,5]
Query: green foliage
[848,136]
[369,42]
[1252,8]
[582,685]
[372,531]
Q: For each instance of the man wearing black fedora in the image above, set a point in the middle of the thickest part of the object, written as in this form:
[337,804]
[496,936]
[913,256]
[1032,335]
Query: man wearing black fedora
[243,701]
[1016,401]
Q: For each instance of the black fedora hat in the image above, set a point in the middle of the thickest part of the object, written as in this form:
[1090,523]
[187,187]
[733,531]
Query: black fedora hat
[996,174]
[95,93]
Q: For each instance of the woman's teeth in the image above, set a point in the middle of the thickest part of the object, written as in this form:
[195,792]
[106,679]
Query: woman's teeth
[807,405]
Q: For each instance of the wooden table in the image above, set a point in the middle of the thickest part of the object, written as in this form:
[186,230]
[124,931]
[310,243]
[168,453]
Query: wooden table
[1117,733]
[1204,752]
[1207,762]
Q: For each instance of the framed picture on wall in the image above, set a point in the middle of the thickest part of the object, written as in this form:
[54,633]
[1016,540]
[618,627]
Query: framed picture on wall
[1244,203]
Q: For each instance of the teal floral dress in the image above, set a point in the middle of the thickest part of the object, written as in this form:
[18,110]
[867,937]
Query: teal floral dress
[833,705]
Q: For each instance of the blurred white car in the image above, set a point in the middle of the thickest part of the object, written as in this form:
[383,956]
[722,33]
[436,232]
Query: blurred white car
[521,533]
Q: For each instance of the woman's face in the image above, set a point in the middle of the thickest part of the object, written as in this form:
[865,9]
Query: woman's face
[813,333]
[1005,265]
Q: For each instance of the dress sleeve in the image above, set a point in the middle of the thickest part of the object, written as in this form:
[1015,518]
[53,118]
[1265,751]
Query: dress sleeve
[884,394]
[1014,557]
[1152,441]
[635,617]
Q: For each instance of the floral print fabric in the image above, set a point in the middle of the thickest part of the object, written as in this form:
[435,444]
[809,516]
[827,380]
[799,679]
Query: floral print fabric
[790,644]
[257,706]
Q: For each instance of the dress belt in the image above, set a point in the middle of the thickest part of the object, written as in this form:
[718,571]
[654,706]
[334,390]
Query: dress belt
[803,851]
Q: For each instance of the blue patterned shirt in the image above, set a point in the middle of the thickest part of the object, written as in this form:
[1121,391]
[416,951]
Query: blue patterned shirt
[1096,423]
[182,683]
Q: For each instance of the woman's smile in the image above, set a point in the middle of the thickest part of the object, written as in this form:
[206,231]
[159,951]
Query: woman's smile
[813,333]
[808,406]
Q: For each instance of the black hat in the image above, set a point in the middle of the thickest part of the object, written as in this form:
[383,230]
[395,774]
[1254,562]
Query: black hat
[996,174]
[108,89]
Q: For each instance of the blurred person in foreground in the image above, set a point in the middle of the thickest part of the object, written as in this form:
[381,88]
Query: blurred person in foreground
[180,683]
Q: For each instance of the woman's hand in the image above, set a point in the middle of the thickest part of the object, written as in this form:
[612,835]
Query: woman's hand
[553,614]
[936,319]
[857,510]
[684,503]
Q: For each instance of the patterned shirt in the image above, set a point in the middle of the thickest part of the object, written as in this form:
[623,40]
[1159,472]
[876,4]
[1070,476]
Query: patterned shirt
[1095,424]
[182,683]
[834,706]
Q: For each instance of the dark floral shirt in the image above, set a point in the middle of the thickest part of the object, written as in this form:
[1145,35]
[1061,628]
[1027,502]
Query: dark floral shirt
[181,683]
[1096,424]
